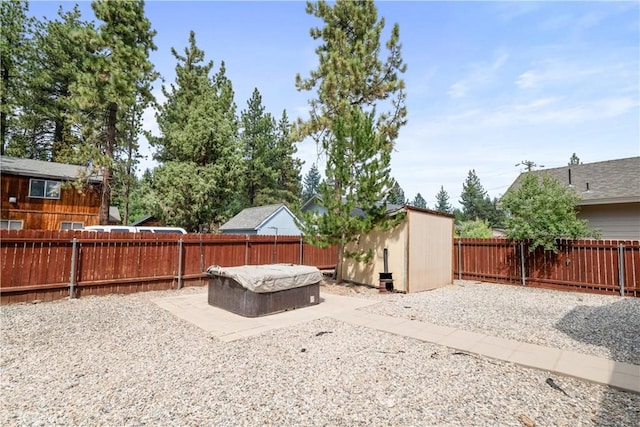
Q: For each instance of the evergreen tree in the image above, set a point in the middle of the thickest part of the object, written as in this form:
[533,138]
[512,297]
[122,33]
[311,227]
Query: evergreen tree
[442,199]
[396,195]
[419,202]
[474,200]
[311,184]
[117,75]
[350,81]
[199,137]
[574,160]
[14,51]
[258,142]
[288,166]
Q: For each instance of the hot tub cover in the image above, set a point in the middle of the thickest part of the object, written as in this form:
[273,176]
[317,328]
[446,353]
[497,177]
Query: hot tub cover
[269,277]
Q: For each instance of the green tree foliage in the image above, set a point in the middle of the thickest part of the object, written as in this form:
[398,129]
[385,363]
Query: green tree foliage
[259,153]
[543,210]
[353,85]
[199,138]
[14,51]
[396,195]
[442,201]
[476,229]
[419,202]
[311,184]
[574,160]
[288,187]
[474,199]
[117,74]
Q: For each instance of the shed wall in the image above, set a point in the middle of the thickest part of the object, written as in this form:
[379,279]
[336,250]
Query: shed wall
[368,273]
[431,245]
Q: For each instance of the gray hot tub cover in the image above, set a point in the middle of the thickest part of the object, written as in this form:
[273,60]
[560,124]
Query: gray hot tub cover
[269,277]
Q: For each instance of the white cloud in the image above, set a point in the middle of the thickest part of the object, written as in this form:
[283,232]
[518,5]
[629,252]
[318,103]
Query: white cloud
[480,75]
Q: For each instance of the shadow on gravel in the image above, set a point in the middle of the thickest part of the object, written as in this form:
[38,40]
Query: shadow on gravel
[614,327]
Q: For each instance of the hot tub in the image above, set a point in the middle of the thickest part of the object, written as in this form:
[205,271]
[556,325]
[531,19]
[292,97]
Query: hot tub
[258,290]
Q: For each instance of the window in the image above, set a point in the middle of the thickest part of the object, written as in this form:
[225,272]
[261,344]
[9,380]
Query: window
[43,189]
[10,224]
[68,225]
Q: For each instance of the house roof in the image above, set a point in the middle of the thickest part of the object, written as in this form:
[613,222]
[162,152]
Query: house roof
[611,181]
[114,214]
[42,169]
[253,218]
[357,211]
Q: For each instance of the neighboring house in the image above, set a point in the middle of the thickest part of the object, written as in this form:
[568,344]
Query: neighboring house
[609,192]
[149,221]
[263,220]
[417,251]
[314,204]
[37,195]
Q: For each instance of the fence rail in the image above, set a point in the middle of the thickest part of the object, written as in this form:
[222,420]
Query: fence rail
[596,266]
[47,265]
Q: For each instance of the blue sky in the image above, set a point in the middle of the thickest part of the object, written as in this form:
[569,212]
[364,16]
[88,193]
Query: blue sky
[489,84]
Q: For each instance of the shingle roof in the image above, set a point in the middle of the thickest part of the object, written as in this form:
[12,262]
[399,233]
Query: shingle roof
[251,218]
[42,169]
[611,181]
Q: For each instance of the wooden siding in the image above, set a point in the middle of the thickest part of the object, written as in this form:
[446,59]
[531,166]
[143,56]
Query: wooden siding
[582,265]
[47,214]
[619,221]
[430,243]
[37,265]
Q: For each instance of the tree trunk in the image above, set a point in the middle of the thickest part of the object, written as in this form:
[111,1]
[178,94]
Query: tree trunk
[105,201]
[3,115]
[339,263]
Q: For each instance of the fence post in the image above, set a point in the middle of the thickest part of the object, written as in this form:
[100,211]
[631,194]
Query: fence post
[180,263]
[621,268]
[301,249]
[246,249]
[459,260]
[72,274]
[524,279]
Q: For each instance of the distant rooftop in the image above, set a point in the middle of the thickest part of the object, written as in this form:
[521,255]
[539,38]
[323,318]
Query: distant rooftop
[251,218]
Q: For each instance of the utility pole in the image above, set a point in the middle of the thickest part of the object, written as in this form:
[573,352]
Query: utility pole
[529,165]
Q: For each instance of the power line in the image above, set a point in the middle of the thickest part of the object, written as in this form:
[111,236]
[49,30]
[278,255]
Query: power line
[529,165]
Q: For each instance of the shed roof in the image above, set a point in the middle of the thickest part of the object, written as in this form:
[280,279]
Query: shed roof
[610,181]
[253,218]
[42,169]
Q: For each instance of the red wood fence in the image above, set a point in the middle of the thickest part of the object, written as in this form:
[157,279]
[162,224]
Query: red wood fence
[47,265]
[596,266]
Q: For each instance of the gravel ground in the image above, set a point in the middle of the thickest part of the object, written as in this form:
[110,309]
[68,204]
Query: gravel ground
[121,360]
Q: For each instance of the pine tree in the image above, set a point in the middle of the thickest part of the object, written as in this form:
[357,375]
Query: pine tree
[199,138]
[357,139]
[258,142]
[14,51]
[288,166]
[442,199]
[311,184]
[474,200]
[574,160]
[117,75]
[419,202]
[396,195]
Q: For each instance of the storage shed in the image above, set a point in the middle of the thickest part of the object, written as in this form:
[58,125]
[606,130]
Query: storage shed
[418,252]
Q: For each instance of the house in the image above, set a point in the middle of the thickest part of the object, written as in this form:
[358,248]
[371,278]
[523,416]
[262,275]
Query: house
[149,221]
[417,252]
[609,192]
[314,204]
[263,220]
[38,195]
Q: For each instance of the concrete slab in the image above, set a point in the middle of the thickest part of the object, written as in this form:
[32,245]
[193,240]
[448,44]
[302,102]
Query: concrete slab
[228,326]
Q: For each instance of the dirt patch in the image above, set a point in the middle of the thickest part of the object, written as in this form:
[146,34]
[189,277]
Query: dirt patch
[329,285]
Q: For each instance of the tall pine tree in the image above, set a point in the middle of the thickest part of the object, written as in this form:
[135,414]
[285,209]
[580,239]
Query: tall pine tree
[351,80]
[442,201]
[419,202]
[311,183]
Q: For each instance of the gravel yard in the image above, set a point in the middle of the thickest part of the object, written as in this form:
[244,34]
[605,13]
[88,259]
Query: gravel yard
[122,360]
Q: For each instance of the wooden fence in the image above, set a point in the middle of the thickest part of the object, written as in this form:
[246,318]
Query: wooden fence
[596,266]
[48,265]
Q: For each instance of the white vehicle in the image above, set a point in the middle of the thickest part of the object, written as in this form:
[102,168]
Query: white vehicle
[131,229]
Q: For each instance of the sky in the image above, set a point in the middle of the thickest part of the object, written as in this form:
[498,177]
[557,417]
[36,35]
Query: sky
[489,84]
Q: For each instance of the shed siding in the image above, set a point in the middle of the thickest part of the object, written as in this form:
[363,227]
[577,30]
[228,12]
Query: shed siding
[368,273]
[617,222]
[47,214]
[431,246]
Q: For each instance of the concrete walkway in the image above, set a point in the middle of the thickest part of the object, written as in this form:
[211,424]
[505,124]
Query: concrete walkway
[229,327]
